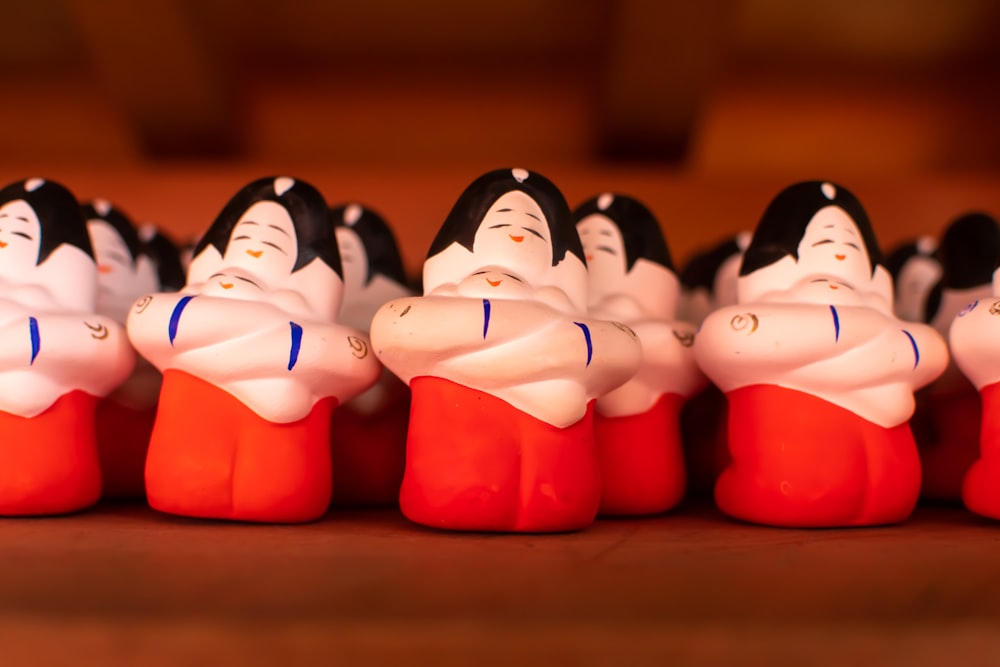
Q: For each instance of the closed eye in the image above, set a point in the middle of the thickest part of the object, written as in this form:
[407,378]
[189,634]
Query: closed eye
[606,232]
[279,229]
[513,277]
[502,224]
[275,246]
[247,280]
[533,231]
[823,242]
[241,237]
[820,280]
[216,275]
[854,245]
[607,249]
[22,235]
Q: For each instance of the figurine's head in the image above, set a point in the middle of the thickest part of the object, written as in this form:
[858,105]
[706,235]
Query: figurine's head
[125,271]
[274,234]
[969,252]
[510,227]
[915,269]
[708,280]
[815,241]
[373,266]
[165,255]
[44,242]
[627,254]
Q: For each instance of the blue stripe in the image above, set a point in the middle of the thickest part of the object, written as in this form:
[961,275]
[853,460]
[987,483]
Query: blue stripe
[916,352]
[586,337]
[36,341]
[293,353]
[175,318]
[836,324]
[486,316]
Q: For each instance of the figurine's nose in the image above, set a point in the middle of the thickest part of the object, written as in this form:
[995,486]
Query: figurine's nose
[516,239]
[255,253]
[840,258]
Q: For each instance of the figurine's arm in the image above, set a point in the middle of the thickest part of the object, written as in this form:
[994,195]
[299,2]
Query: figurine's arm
[335,359]
[974,338]
[668,362]
[74,351]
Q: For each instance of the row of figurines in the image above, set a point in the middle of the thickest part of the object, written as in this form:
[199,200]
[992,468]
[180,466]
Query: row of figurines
[546,362]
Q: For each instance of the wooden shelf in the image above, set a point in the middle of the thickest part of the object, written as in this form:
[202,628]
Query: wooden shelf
[121,582]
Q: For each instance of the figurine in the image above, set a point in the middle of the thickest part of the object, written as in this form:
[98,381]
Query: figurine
[818,372]
[637,427]
[125,417]
[166,256]
[368,433]
[915,270]
[253,363]
[973,338]
[504,365]
[708,282]
[60,357]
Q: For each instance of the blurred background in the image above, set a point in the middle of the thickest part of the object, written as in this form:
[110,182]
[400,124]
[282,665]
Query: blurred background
[705,109]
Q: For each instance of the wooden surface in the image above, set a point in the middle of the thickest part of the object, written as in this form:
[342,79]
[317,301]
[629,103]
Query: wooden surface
[122,584]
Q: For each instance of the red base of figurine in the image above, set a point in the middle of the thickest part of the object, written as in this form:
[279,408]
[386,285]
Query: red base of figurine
[369,452]
[50,460]
[475,462]
[642,466]
[801,461]
[703,436]
[122,440]
[951,444]
[981,489]
[213,457]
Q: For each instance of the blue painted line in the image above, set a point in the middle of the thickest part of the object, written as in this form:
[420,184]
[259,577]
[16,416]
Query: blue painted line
[293,353]
[836,324]
[36,340]
[486,316]
[175,318]
[916,352]
[586,337]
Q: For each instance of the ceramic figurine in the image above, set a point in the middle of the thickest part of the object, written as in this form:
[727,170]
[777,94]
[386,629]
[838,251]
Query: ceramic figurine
[637,427]
[818,372]
[973,340]
[504,365]
[915,270]
[949,409]
[125,417]
[368,433]
[708,282]
[60,357]
[253,362]
[166,256]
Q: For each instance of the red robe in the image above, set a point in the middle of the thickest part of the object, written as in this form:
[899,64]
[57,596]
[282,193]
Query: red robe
[211,456]
[798,460]
[475,462]
[981,487]
[122,439]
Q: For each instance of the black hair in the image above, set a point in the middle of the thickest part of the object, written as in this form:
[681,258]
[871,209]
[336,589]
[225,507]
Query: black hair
[641,233]
[969,253]
[59,215]
[314,235]
[167,258]
[118,221]
[702,268]
[376,238]
[465,217]
[781,228]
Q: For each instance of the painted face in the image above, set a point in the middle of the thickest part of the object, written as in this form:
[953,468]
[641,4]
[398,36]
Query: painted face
[353,259]
[832,253]
[261,252]
[604,249]
[20,239]
[916,279]
[514,239]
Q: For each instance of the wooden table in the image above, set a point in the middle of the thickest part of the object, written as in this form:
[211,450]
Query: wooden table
[123,584]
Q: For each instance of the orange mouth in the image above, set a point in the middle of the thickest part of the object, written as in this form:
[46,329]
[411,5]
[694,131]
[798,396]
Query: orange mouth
[516,239]
[103,268]
[494,283]
[226,285]
[840,258]
[2,244]
[590,258]
[255,253]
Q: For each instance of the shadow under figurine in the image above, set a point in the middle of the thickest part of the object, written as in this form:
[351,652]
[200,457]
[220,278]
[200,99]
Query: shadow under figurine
[504,365]
[973,337]
[818,372]
[631,280]
[59,357]
[253,363]
[125,417]
[368,433]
